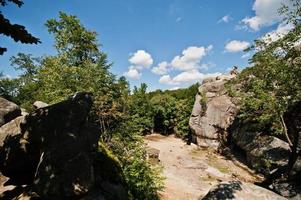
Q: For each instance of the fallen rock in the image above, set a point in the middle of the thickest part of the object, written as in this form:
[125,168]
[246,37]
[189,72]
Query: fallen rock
[8,111]
[153,155]
[238,190]
[39,104]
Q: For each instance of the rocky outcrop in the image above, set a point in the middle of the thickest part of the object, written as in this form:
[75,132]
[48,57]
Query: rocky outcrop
[238,190]
[55,152]
[213,111]
[263,152]
[8,111]
[213,121]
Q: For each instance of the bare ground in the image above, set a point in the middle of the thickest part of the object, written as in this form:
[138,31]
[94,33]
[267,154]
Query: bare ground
[191,171]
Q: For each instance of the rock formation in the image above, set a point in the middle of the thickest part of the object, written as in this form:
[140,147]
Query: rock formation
[263,152]
[214,123]
[213,111]
[8,111]
[238,190]
[54,151]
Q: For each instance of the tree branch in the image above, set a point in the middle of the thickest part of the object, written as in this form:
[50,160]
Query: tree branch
[285,132]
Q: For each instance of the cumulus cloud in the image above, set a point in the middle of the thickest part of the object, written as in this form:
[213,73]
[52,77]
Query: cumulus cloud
[236,46]
[225,19]
[166,79]
[266,13]
[141,59]
[207,65]
[162,68]
[190,58]
[191,76]
[189,63]
[132,73]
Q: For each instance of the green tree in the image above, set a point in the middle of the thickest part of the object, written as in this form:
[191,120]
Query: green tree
[164,107]
[140,110]
[72,40]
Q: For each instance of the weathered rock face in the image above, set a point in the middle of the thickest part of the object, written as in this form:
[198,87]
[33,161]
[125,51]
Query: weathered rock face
[264,153]
[238,190]
[213,111]
[55,152]
[8,111]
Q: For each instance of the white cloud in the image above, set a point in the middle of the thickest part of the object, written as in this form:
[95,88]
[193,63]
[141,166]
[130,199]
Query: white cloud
[207,65]
[236,46]
[141,59]
[209,48]
[225,19]
[162,68]
[266,13]
[166,79]
[280,32]
[191,76]
[132,73]
[190,58]
[174,88]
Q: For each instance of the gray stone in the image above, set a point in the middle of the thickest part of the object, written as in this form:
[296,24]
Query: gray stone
[8,111]
[11,128]
[237,190]
[264,153]
[207,122]
[39,104]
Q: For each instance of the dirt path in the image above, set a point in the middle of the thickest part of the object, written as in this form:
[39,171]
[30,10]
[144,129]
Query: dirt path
[190,171]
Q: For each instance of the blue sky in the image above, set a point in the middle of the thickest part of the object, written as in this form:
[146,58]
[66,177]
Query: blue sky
[190,39]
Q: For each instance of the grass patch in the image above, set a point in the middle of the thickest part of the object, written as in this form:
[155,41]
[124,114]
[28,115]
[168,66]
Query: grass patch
[213,162]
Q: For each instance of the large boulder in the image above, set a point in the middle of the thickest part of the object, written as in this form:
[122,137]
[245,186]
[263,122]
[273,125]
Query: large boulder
[11,128]
[263,152]
[213,111]
[8,111]
[56,153]
[237,191]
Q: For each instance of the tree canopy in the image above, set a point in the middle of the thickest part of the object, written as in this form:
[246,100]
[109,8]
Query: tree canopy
[16,31]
